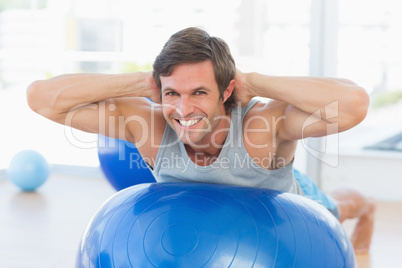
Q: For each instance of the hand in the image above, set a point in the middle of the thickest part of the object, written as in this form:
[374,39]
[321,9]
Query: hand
[242,93]
[154,92]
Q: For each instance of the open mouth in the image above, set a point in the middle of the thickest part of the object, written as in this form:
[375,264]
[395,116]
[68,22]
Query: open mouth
[188,123]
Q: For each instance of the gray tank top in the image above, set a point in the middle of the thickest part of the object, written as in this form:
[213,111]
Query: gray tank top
[233,166]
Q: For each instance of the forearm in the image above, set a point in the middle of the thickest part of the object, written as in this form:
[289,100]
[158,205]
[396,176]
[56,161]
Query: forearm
[334,98]
[62,94]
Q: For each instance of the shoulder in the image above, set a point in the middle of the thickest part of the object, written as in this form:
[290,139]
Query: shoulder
[144,120]
[261,126]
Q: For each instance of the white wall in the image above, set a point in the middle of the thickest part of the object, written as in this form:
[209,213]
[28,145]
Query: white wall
[377,174]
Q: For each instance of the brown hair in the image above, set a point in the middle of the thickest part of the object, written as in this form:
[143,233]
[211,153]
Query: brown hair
[192,45]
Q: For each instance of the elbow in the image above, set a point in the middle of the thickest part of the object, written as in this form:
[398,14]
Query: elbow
[37,97]
[33,96]
[360,104]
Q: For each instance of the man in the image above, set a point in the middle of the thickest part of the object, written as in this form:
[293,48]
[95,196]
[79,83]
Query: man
[204,125]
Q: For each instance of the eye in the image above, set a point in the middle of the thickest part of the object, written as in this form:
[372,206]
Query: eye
[171,93]
[200,92]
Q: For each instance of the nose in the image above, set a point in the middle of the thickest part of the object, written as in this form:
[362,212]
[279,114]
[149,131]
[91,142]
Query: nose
[185,106]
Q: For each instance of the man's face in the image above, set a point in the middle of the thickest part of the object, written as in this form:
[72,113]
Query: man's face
[191,103]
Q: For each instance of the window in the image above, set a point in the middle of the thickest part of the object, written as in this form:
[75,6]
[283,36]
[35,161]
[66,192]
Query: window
[40,39]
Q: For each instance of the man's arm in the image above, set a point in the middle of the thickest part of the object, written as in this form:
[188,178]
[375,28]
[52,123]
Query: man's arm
[93,102]
[310,106]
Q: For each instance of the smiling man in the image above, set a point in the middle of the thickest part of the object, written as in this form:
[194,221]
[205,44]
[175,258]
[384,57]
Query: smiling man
[193,105]
[204,124]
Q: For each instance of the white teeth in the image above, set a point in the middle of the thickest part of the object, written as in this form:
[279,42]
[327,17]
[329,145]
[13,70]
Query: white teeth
[189,123]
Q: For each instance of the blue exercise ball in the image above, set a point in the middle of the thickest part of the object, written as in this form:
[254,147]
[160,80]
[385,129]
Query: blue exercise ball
[207,225]
[121,163]
[28,170]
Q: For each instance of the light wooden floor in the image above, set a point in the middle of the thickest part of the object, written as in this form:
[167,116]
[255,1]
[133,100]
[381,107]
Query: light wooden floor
[42,229]
[386,249]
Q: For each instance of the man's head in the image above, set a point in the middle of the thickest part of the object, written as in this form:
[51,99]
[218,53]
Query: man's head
[194,45]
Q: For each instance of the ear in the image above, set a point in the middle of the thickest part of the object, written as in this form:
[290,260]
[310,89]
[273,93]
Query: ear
[229,90]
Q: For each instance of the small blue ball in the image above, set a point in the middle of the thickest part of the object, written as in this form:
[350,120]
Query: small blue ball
[28,170]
